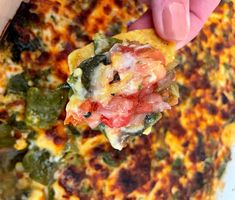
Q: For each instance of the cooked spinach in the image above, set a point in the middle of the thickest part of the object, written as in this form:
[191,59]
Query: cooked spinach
[133,131]
[85,190]
[161,154]
[39,166]
[184,92]
[114,28]
[21,42]
[6,139]
[50,193]
[8,189]
[152,119]
[9,157]
[223,166]
[18,125]
[18,84]
[103,44]
[178,167]
[88,67]
[73,158]
[43,107]
[111,160]
[73,130]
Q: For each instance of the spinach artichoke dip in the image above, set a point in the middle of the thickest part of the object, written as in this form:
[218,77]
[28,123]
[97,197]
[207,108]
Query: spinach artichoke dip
[123,87]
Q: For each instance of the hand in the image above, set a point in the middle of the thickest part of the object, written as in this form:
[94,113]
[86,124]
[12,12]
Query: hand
[176,20]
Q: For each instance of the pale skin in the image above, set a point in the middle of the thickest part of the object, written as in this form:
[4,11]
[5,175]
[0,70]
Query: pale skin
[176,20]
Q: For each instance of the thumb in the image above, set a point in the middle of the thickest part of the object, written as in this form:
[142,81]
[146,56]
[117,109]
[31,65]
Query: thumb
[171,18]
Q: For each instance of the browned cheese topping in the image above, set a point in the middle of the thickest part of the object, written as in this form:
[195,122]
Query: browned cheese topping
[184,157]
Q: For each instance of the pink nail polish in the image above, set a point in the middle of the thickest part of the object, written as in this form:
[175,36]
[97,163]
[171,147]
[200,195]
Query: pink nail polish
[176,23]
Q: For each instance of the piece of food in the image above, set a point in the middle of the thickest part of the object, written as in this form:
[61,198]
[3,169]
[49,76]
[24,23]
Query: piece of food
[122,84]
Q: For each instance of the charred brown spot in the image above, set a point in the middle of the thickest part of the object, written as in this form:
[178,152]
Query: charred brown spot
[57,136]
[196,101]
[60,74]
[98,167]
[201,82]
[3,114]
[17,134]
[116,77]
[212,109]
[219,47]
[212,128]
[232,111]
[212,27]
[100,20]
[176,128]
[55,40]
[131,179]
[82,17]
[95,29]
[43,58]
[89,133]
[224,115]
[62,55]
[198,154]
[71,178]
[198,181]
[185,144]
[119,3]
[69,47]
[107,9]
[16,103]
[224,99]
[99,149]
[203,36]
[162,194]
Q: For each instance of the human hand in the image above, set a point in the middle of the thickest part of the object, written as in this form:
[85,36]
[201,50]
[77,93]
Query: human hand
[176,20]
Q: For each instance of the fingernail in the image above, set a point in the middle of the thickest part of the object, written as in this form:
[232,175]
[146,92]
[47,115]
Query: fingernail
[175,21]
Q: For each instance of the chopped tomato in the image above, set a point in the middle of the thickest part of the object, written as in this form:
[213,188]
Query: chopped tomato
[73,118]
[149,53]
[144,108]
[118,111]
[86,106]
[116,122]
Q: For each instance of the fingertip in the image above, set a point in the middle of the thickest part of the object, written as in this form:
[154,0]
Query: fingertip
[171,19]
[143,22]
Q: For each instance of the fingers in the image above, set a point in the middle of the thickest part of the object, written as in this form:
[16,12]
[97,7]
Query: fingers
[176,20]
[200,10]
[203,8]
[171,18]
[146,21]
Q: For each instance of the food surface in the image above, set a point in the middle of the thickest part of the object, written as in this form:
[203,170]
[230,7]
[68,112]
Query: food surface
[40,158]
[123,86]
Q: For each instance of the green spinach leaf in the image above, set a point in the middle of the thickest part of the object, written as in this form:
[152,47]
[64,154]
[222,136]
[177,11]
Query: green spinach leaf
[17,84]
[103,44]
[39,166]
[152,119]
[6,139]
[44,106]
[88,67]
